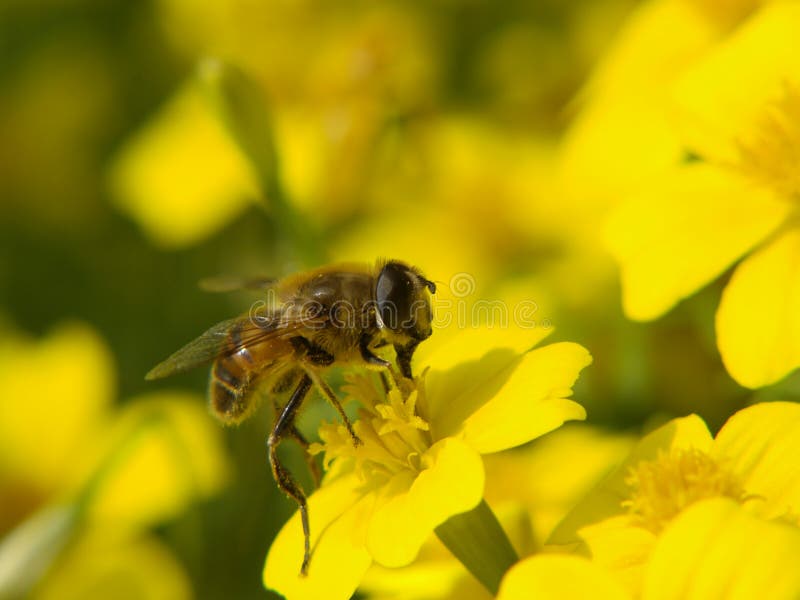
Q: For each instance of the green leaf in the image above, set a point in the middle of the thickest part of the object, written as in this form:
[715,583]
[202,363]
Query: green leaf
[478,541]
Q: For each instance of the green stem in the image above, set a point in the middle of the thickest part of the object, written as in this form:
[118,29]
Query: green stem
[478,541]
[243,110]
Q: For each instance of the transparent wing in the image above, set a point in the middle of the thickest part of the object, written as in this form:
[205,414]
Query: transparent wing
[234,284]
[226,338]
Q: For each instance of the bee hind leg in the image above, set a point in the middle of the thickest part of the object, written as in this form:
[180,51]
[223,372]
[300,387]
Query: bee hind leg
[283,477]
[294,433]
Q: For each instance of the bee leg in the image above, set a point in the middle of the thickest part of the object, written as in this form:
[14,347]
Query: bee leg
[320,357]
[283,477]
[387,387]
[298,437]
[368,355]
[331,397]
[404,354]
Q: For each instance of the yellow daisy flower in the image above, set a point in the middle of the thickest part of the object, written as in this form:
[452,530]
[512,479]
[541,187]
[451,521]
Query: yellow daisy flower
[738,110]
[715,549]
[679,465]
[420,461]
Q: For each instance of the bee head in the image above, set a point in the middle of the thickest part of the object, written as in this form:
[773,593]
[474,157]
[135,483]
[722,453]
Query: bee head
[402,295]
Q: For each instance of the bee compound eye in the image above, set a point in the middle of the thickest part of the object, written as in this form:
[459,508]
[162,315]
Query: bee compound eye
[394,294]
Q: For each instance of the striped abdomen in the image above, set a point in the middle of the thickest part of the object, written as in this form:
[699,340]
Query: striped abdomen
[235,377]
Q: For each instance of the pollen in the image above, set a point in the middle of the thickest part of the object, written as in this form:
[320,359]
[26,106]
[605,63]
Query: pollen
[662,488]
[393,434]
[770,153]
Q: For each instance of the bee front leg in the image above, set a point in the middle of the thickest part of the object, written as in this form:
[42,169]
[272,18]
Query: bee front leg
[368,355]
[283,477]
[404,354]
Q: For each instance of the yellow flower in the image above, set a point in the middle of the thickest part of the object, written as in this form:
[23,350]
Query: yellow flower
[738,110]
[182,177]
[100,566]
[749,463]
[420,462]
[623,132]
[75,469]
[715,549]
[530,489]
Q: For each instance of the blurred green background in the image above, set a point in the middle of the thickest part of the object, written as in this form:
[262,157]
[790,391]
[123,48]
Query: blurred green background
[425,131]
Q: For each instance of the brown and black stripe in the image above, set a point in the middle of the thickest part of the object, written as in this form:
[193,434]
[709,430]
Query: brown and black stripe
[235,376]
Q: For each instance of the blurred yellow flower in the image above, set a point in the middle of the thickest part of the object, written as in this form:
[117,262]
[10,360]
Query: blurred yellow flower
[103,566]
[71,464]
[623,133]
[182,177]
[58,390]
[714,549]
[737,110]
[680,465]
[483,391]
[334,101]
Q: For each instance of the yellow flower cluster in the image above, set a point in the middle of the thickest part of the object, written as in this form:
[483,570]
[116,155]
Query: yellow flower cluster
[723,187]
[626,171]
[83,481]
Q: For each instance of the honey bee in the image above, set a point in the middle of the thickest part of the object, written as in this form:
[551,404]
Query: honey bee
[334,315]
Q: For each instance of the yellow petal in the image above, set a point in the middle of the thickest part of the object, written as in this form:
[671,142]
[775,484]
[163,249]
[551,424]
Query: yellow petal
[624,133]
[182,177]
[530,401]
[436,576]
[103,566]
[605,499]
[715,549]
[621,548]
[54,401]
[451,484]
[759,445]
[725,94]
[683,231]
[560,577]
[467,369]
[475,344]
[549,477]
[758,321]
[337,514]
[163,453]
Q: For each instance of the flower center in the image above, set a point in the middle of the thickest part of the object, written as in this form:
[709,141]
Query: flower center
[771,153]
[394,437]
[662,488]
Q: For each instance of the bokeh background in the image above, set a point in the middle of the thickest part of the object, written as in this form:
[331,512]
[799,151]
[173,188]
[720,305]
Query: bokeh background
[147,145]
